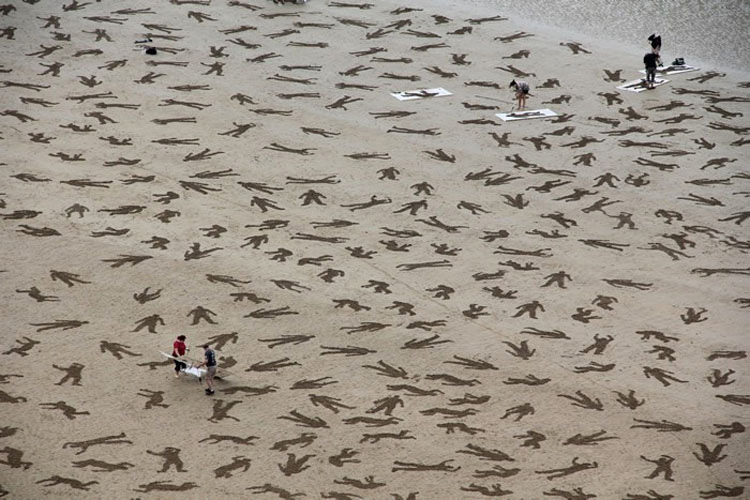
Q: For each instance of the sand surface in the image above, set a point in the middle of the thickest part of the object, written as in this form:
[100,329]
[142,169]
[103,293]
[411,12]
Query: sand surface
[413,300]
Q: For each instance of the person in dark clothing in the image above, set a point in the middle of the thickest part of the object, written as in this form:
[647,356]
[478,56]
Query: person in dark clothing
[178,350]
[655,41]
[210,364]
[650,60]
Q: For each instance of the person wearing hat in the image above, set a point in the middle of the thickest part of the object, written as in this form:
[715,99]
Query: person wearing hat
[178,350]
[210,364]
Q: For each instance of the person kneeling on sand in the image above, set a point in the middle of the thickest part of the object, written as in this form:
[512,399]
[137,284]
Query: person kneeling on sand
[210,364]
[522,90]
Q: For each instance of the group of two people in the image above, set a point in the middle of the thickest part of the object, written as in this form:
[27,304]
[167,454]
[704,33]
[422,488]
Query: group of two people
[651,60]
[179,349]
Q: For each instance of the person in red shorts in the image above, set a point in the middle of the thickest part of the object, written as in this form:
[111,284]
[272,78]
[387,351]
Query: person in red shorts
[178,350]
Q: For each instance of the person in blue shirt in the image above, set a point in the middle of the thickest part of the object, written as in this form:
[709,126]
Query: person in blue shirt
[210,364]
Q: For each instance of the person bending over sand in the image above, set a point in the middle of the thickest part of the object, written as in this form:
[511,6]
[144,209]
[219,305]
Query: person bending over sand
[522,90]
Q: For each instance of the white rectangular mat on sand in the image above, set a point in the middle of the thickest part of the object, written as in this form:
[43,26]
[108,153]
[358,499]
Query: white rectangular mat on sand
[408,95]
[526,115]
[195,372]
[673,70]
[640,85]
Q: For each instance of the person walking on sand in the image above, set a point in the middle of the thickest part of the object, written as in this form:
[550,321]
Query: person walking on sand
[522,90]
[178,350]
[650,60]
[210,364]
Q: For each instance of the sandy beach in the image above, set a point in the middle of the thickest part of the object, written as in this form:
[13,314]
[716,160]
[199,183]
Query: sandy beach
[409,299]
